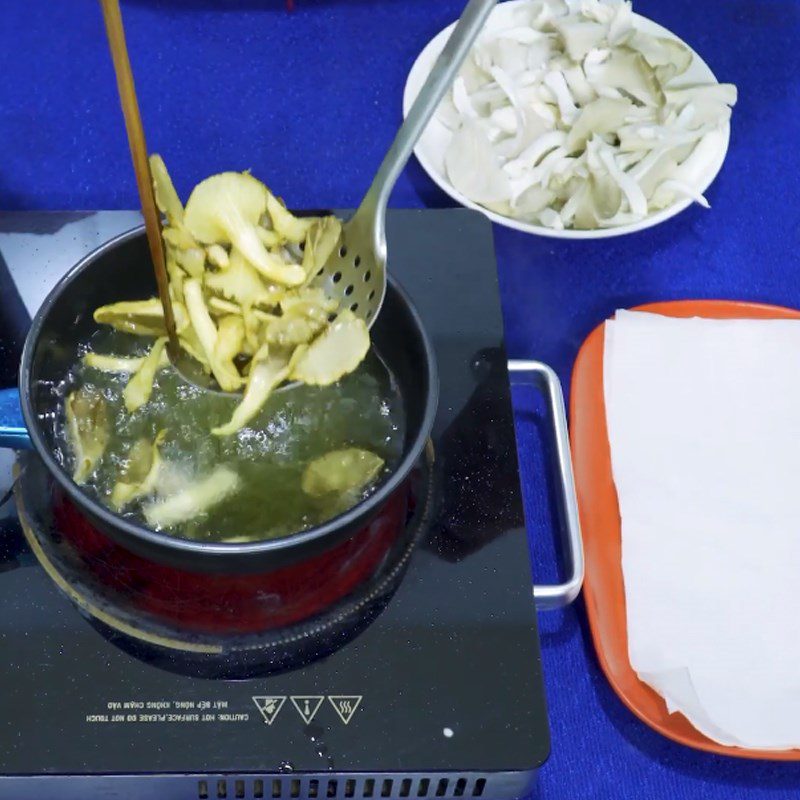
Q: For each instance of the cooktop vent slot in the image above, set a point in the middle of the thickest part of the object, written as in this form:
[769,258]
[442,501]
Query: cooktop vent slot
[353,787]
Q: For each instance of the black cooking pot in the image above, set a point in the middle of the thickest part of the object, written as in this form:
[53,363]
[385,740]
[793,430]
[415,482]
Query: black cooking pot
[121,270]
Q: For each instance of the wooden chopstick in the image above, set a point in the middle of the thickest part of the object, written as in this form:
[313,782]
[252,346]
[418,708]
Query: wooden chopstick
[141,166]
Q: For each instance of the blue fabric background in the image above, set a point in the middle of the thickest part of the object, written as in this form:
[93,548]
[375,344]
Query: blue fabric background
[310,101]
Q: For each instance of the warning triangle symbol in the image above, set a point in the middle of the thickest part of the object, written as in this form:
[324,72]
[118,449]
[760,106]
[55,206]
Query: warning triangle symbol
[345,705]
[307,705]
[269,706]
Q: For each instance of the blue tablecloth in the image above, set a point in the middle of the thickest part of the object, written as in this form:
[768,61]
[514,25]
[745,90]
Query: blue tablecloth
[310,101]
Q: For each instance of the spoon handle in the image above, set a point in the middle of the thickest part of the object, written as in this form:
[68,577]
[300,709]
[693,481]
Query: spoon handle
[141,166]
[438,82]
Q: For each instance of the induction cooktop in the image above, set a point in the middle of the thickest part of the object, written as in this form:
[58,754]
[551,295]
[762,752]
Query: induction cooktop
[432,689]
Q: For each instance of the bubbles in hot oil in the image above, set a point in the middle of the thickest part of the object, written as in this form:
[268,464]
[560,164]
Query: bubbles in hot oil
[187,392]
[112,392]
[174,477]
[269,455]
[251,442]
[268,435]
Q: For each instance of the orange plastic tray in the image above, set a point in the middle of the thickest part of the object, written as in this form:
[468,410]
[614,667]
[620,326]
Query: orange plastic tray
[599,511]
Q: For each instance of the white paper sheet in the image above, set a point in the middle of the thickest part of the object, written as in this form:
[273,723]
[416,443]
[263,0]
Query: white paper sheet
[704,426]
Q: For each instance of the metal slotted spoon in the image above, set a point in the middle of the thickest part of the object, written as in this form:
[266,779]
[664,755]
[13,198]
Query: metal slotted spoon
[356,274]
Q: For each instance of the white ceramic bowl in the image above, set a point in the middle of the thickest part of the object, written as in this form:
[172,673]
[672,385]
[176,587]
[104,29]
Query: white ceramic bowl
[433,143]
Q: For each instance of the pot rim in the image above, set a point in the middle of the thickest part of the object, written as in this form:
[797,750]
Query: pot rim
[164,541]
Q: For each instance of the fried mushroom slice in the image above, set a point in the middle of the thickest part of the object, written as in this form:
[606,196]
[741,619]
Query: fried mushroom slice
[139,388]
[193,500]
[268,370]
[226,209]
[341,471]
[88,431]
[337,351]
[140,474]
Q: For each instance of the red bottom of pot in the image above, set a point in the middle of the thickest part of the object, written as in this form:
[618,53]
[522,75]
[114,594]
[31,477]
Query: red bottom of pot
[234,604]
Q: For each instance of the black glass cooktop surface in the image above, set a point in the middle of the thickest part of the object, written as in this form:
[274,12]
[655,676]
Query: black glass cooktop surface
[443,679]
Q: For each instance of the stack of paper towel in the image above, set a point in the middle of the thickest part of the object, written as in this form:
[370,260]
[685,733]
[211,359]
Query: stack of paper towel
[704,426]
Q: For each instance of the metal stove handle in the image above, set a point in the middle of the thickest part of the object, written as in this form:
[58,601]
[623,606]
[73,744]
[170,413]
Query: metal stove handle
[550,596]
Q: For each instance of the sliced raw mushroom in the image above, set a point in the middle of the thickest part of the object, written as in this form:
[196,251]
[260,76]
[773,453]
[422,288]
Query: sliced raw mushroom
[536,90]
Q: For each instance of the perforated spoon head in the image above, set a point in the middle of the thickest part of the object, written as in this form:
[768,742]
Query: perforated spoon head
[355,275]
